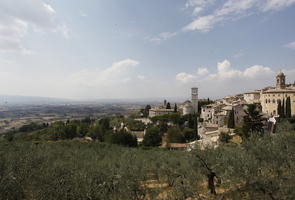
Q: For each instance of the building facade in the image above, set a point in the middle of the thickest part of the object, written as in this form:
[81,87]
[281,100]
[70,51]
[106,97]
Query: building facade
[270,98]
[195,100]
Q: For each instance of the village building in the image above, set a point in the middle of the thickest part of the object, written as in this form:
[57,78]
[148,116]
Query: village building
[270,98]
[218,113]
[188,107]
[252,97]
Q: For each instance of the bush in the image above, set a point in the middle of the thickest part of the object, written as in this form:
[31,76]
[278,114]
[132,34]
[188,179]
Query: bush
[152,138]
[175,135]
[224,137]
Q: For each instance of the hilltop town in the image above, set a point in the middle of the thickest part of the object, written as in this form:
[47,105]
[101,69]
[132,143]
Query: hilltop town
[214,117]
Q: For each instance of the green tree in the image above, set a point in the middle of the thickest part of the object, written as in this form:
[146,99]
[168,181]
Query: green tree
[175,108]
[189,134]
[279,108]
[252,121]
[123,138]
[175,118]
[283,109]
[168,106]
[175,136]
[96,132]
[105,123]
[152,138]
[145,111]
[288,107]
[231,119]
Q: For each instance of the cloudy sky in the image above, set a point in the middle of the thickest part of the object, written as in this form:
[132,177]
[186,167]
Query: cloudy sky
[87,49]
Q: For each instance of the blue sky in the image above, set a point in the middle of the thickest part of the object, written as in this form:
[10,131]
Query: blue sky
[144,49]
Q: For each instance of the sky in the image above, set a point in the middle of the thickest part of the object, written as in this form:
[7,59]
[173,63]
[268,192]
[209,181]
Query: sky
[91,49]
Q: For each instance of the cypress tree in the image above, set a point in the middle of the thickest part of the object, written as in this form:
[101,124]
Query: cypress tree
[283,109]
[288,107]
[231,120]
[196,128]
[168,106]
[280,108]
[175,108]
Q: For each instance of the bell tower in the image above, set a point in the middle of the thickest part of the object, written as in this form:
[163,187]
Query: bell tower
[195,100]
[281,81]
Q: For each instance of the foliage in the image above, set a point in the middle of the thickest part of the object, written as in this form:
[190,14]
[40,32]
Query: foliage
[252,121]
[261,168]
[135,125]
[231,119]
[32,127]
[224,137]
[283,110]
[174,118]
[280,109]
[145,111]
[190,134]
[288,107]
[168,106]
[175,135]
[123,138]
[175,108]
[152,137]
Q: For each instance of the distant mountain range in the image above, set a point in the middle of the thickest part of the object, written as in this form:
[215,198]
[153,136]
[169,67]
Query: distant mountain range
[15,99]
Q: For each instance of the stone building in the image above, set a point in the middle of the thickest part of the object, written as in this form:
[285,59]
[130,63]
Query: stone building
[188,107]
[270,98]
[195,100]
[252,97]
[218,113]
[158,111]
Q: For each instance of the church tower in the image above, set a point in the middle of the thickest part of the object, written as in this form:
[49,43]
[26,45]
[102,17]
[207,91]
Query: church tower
[281,81]
[195,100]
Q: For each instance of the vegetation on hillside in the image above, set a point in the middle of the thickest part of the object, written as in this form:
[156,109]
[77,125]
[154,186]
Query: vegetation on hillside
[262,167]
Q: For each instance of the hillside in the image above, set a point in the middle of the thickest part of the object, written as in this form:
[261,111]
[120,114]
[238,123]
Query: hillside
[259,168]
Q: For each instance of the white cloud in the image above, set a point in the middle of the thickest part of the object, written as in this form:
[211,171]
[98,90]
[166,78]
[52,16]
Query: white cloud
[184,77]
[204,23]
[162,36]
[228,80]
[17,16]
[198,5]
[117,73]
[202,71]
[277,4]
[233,10]
[291,45]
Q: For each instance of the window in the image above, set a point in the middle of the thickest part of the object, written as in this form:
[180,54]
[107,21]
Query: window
[265,100]
[273,101]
